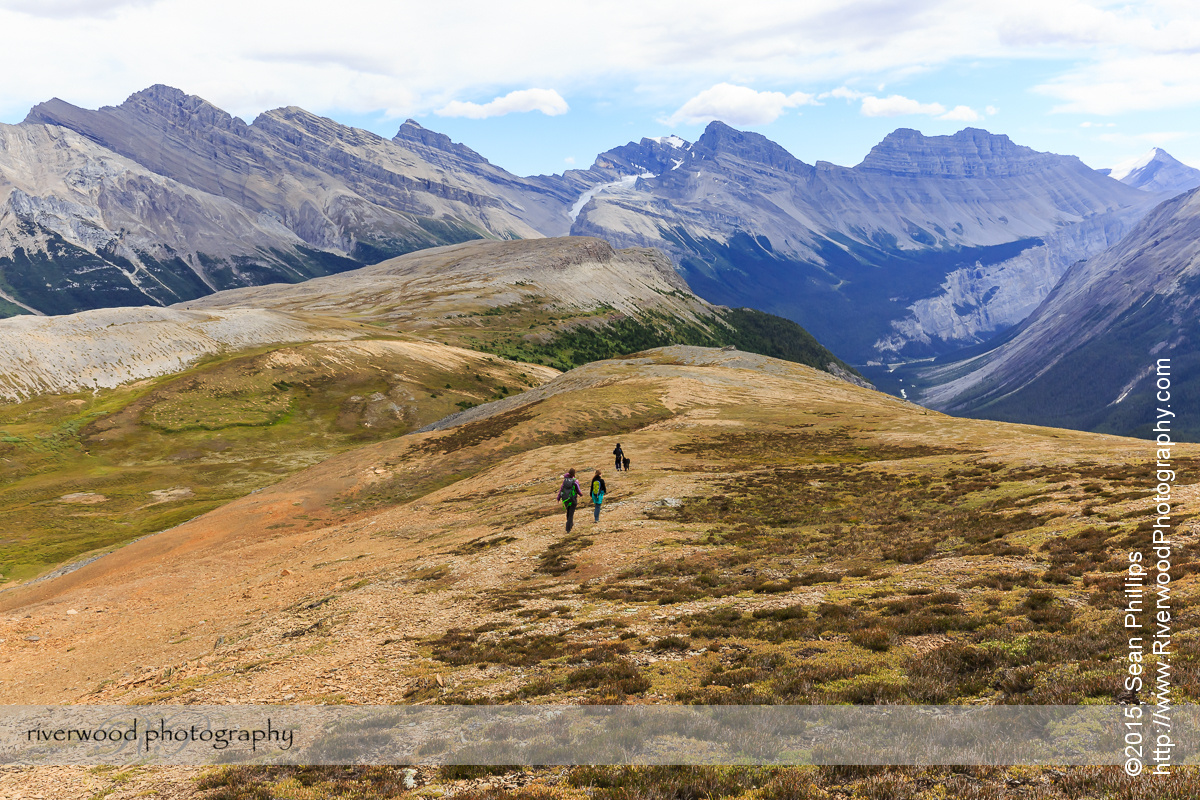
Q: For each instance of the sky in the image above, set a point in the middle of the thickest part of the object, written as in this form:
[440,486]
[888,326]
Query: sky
[539,87]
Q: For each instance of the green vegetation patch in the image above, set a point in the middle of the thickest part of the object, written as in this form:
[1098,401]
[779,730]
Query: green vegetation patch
[286,783]
[556,559]
[476,433]
[205,404]
[575,342]
[829,512]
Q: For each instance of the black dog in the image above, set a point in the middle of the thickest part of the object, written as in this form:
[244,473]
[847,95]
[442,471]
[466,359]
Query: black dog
[625,463]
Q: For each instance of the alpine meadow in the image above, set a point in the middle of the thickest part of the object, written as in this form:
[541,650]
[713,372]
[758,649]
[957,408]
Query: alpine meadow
[324,420]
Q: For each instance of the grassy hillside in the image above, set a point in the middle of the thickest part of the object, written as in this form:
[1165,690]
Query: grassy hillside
[87,471]
[783,537]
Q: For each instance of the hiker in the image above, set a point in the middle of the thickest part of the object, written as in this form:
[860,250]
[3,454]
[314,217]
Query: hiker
[569,493]
[619,455]
[598,490]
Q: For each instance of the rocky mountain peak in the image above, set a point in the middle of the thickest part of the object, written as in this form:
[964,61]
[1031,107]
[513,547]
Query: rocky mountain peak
[47,113]
[279,120]
[411,132]
[719,138]
[1156,171]
[970,153]
[654,155]
[1126,168]
[159,93]
[177,107]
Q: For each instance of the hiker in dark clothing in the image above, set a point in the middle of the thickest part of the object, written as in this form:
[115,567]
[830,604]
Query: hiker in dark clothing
[598,490]
[619,454]
[569,493]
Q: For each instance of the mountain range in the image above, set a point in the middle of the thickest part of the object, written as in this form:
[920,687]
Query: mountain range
[911,233]
[929,245]
[166,198]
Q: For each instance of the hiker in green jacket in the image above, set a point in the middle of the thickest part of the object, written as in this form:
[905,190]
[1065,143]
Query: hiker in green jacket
[569,493]
[598,490]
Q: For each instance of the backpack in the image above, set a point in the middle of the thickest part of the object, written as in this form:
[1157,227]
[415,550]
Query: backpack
[567,492]
[595,487]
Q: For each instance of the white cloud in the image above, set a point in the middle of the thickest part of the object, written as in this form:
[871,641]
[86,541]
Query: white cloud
[897,105]
[739,105]
[1090,124]
[569,160]
[547,101]
[991,111]
[66,9]
[962,114]
[843,93]
[1141,82]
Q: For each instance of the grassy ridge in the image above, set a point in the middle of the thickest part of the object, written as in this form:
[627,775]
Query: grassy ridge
[574,340]
[241,422]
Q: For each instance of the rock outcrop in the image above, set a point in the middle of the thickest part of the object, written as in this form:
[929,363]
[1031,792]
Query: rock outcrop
[83,227]
[977,302]
[970,153]
[107,347]
[336,187]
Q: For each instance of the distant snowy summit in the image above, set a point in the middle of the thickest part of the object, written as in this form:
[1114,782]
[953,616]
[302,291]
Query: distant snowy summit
[1156,171]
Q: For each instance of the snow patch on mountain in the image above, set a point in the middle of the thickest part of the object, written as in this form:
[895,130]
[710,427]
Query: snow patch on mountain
[1122,170]
[626,182]
[1157,172]
[672,140]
